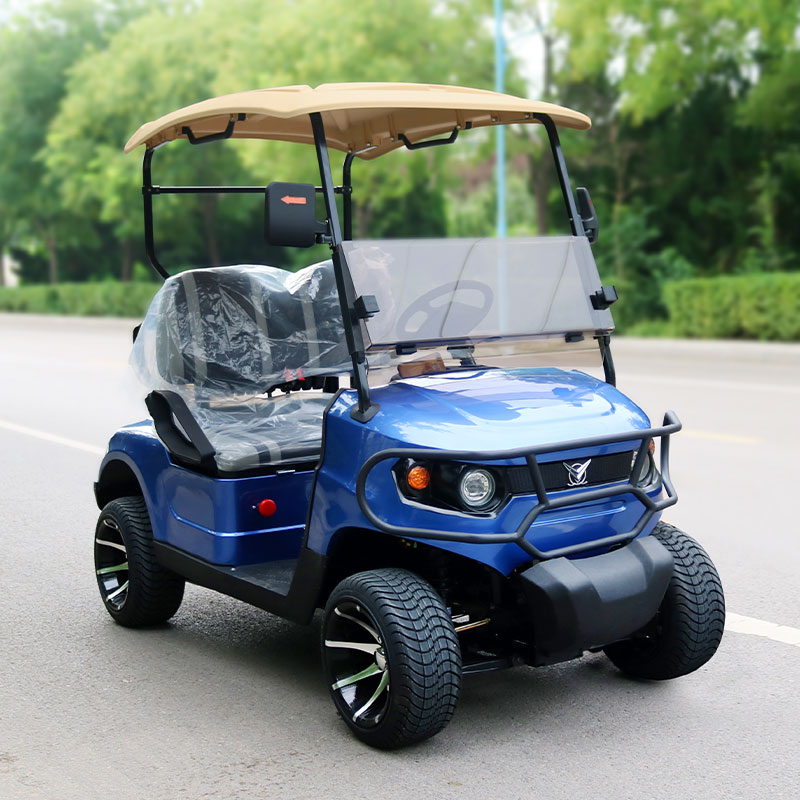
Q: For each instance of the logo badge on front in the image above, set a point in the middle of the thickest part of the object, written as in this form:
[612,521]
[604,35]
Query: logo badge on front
[577,472]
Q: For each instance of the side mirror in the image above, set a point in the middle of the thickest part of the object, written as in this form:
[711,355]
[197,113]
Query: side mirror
[290,218]
[588,215]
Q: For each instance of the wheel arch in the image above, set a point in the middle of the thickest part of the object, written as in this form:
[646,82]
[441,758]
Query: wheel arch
[117,478]
[354,549]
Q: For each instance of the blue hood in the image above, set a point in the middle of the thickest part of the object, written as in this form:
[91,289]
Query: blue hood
[501,409]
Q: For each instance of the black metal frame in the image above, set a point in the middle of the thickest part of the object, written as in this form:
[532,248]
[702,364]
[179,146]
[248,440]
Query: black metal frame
[354,334]
[544,502]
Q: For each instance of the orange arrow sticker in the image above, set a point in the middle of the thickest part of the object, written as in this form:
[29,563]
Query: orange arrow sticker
[293,201]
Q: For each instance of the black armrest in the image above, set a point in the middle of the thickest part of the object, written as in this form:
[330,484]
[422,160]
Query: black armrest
[165,407]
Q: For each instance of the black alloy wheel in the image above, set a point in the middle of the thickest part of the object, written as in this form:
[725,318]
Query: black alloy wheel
[391,657]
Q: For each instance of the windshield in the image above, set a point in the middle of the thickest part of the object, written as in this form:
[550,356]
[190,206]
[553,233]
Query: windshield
[460,304]
[470,291]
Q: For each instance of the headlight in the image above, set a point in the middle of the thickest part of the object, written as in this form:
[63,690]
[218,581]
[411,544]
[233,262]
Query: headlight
[476,488]
[444,484]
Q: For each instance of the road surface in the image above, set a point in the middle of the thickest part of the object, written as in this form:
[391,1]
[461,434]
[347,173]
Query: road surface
[228,701]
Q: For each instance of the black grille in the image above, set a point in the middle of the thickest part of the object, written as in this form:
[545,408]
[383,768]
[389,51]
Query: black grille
[602,469]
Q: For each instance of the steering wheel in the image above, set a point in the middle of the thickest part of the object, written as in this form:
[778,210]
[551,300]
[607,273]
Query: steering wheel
[465,315]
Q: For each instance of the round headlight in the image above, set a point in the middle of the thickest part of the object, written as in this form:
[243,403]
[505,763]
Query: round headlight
[476,487]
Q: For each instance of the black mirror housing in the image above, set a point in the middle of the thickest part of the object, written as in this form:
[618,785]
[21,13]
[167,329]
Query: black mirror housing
[591,226]
[290,218]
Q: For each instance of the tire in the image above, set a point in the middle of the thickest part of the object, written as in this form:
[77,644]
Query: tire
[136,590]
[391,657]
[688,628]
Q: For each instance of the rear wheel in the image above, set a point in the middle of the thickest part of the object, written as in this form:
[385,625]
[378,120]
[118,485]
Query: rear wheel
[391,657]
[136,590]
[688,627]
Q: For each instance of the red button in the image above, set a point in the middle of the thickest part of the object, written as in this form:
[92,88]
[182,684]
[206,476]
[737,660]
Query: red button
[267,508]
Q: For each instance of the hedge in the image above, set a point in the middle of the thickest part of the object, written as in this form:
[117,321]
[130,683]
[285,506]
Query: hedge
[106,299]
[759,306]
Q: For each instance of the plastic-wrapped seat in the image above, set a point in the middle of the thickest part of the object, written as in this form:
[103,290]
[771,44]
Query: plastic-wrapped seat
[217,343]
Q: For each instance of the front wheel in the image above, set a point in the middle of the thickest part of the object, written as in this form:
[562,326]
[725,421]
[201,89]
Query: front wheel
[688,627]
[391,657]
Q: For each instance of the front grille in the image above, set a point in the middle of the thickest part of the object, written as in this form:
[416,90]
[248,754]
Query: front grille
[602,469]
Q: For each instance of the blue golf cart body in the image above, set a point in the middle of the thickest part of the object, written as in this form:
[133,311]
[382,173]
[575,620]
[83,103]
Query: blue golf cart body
[398,421]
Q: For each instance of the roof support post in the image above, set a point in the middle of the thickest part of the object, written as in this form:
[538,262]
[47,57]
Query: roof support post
[365,410]
[347,196]
[147,198]
[576,224]
[575,221]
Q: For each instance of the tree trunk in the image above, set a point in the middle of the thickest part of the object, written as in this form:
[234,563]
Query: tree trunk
[363,216]
[49,241]
[52,271]
[209,206]
[2,264]
[540,169]
[540,180]
[547,87]
[620,195]
[127,260]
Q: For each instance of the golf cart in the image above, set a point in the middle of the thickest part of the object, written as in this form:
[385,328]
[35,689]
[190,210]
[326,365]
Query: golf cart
[388,435]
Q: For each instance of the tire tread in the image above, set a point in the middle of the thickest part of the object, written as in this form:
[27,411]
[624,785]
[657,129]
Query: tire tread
[426,663]
[154,593]
[691,618]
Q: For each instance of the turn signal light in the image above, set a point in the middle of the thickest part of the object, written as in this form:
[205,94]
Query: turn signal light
[418,477]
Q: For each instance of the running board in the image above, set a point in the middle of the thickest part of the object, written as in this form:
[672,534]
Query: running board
[486,665]
[289,588]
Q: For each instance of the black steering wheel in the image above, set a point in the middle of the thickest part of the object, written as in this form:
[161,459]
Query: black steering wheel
[465,316]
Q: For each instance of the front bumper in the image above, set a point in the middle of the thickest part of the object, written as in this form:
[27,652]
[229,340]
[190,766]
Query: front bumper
[545,502]
[586,603]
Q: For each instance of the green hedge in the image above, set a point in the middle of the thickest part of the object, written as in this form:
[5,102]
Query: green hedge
[759,306]
[106,299]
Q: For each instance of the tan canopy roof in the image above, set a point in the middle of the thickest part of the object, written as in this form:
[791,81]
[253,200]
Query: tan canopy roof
[356,115]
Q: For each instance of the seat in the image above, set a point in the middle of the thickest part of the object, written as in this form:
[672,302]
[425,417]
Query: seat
[218,343]
[277,431]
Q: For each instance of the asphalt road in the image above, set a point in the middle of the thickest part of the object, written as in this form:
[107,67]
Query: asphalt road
[228,701]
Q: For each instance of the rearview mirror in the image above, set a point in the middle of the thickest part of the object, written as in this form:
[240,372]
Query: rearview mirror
[588,215]
[290,218]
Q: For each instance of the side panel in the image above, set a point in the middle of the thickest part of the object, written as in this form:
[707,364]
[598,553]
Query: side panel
[214,519]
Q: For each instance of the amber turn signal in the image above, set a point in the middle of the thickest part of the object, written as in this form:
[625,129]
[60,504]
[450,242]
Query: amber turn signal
[418,477]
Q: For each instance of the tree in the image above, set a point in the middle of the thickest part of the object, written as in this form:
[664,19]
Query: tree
[36,52]
[151,66]
[662,52]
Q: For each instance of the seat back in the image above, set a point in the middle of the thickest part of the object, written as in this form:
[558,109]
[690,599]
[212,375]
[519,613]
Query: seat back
[242,330]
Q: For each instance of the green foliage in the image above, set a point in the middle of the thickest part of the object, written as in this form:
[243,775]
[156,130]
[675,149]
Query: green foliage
[626,258]
[664,50]
[693,159]
[105,299]
[765,306]
[36,52]
[173,54]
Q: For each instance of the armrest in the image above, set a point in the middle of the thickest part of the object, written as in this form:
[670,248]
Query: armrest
[189,444]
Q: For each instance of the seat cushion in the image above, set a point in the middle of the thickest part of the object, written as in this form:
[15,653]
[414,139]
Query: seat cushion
[267,432]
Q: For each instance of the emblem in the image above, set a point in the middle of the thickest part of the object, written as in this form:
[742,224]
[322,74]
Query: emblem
[577,472]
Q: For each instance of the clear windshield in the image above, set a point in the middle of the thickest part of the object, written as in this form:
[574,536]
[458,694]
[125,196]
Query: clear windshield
[434,292]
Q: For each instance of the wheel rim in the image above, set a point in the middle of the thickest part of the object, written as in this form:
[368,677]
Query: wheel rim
[111,564]
[358,667]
